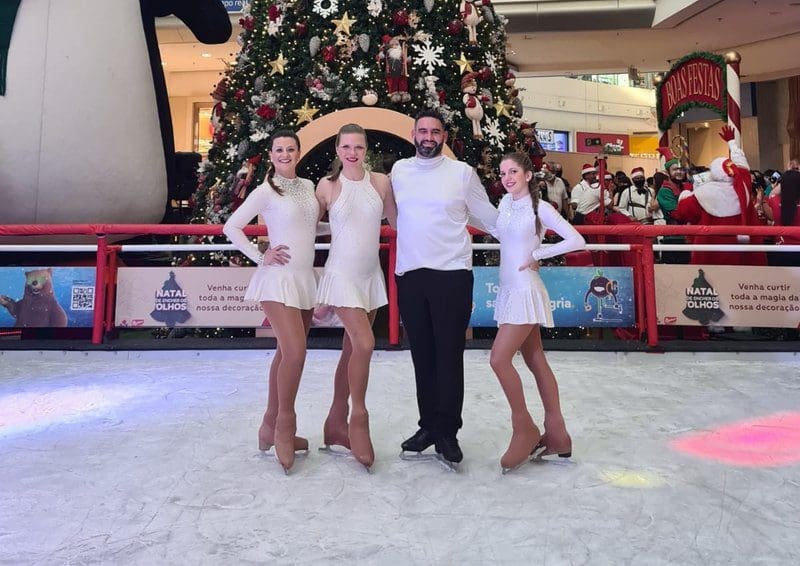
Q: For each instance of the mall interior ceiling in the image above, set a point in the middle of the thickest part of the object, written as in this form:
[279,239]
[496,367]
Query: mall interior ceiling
[577,37]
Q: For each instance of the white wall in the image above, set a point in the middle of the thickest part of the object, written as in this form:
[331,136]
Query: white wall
[570,104]
[186,88]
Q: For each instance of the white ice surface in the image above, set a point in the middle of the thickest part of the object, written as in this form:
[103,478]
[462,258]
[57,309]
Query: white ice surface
[151,458]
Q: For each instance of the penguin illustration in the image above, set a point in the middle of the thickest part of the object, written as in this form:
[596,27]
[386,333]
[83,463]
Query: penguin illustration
[87,128]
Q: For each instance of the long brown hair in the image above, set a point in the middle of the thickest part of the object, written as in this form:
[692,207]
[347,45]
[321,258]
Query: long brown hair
[270,165]
[337,165]
[524,161]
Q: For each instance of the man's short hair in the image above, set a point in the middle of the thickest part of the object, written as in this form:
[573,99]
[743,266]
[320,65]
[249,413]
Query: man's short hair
[429,113]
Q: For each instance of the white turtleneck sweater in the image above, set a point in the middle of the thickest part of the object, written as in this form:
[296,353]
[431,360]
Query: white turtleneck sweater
[435,200]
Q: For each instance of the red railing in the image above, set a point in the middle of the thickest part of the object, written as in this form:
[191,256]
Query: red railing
[644,268]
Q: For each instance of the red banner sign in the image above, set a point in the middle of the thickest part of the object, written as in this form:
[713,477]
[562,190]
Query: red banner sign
[695,81]
[610,144]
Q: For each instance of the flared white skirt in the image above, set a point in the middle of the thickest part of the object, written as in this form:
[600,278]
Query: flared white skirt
[528,304]
[339,289]
[293,288]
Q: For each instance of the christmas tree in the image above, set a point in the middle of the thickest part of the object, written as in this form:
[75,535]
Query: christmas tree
[301,60]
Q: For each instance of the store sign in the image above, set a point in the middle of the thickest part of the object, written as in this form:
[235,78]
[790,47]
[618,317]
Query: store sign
[579,296]
[553,140]
[201,297]
[46,297]
[723,295]
[233,6]
[610,144]
[696,81]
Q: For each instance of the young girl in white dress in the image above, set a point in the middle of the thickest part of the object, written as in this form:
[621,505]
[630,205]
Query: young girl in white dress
[523,305]
[356,201]
[284,283]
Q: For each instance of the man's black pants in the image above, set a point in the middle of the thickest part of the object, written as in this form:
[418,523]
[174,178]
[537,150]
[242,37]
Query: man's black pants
[435,307]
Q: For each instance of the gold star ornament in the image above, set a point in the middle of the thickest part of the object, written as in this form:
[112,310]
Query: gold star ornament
[278,65]
[464,64]
[502,109]
[305,113]
[343,25]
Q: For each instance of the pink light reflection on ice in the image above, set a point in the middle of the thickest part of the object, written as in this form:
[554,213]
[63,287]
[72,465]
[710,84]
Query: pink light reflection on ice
[765,442]
[20,412]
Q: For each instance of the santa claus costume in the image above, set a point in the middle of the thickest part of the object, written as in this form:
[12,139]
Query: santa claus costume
[723,201]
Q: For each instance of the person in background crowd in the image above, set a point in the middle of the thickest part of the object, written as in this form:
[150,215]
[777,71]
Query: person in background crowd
[638,201]
[784,210]
[671,187]
[588,183]
[559,172]
[556,190]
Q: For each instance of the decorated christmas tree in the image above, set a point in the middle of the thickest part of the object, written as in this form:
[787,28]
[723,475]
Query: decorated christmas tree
[302,60]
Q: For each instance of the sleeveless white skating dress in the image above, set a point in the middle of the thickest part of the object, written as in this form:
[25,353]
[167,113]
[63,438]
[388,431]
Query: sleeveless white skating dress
[291,220]
[353,276]
[523,298]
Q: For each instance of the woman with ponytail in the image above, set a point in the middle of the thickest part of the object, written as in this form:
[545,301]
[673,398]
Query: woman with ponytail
[523,305]
[356,201]
[283,283]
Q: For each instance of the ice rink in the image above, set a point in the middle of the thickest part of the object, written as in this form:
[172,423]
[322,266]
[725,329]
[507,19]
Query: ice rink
[151,458]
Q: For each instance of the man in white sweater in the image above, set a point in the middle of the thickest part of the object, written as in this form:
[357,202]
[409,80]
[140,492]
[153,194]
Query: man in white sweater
[435,198]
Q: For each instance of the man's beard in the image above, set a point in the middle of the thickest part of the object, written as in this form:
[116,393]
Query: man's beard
[639,184]
[677,178]
[428,152]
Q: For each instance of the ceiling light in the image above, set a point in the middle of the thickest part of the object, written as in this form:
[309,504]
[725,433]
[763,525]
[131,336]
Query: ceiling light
[205,55]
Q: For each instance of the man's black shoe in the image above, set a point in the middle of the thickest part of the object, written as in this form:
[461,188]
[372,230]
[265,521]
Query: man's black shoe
[448,447]
[421,440]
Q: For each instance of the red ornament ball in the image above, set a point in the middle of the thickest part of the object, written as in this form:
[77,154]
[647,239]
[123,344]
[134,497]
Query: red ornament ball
[487,2]
[400,17]
[329,53]
[485,74]
[454,27]
[300,29]
[239,95]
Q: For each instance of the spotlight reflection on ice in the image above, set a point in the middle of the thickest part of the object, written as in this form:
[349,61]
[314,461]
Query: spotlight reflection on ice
[22,412]
[765,442]
[631,479]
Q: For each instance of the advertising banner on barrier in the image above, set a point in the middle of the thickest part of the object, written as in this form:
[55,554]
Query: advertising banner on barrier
[46,297]
[724,295]
[580,296]
[200,297]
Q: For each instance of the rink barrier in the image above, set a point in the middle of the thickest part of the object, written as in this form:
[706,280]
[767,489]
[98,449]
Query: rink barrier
[644,268]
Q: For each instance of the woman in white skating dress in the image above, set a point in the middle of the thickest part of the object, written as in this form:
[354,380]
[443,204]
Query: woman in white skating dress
[356,201]
[523,305]
[283,282]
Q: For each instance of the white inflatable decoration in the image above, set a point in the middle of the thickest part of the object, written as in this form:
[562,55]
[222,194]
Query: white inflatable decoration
[82,142]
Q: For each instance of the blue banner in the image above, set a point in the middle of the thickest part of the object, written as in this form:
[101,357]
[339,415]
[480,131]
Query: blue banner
[45,297]
[579,296]
[233,6]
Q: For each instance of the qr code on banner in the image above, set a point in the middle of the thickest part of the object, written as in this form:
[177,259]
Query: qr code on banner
[82,298]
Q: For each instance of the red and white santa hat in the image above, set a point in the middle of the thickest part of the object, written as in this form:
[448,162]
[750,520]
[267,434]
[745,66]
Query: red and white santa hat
[637,173]
[586,169]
